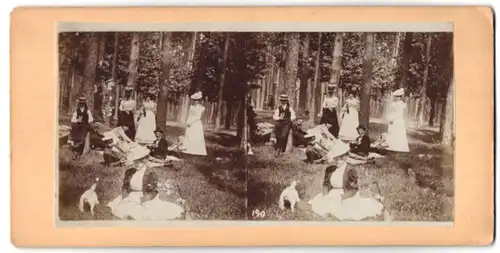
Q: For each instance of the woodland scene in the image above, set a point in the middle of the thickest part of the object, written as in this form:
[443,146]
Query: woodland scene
[242,77]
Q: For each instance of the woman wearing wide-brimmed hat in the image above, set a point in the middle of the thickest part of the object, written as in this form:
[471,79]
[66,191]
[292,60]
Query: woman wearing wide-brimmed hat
[328,112]
[139,199]
[194,138]
[396,134]
[80,126]
[127,111]
[284,115]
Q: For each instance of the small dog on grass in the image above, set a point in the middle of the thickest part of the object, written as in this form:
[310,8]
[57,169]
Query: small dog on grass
[89,197]
[289,195]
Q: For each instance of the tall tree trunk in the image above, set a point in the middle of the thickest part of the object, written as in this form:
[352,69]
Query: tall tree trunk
[395,50]
[432,113]
[218,111]
[366,79]
[192,51]
[114,64]
[447,118]
[313,87]
[89,71]
[423,90]
[404,66]
[229,114]
[166,57]
[304,78]
[337,67]
[290,77]
[291,67]
[134,59]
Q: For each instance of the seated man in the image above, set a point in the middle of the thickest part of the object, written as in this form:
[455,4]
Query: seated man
[360,148]
[159,148]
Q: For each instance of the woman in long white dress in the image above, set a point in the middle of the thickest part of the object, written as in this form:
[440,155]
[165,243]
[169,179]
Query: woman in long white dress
[396,134]
[341,198]
[147,122]
[350,118]
[140,200]
[194,138]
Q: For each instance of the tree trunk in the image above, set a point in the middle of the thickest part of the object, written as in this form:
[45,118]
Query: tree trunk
[432,113]
[404,66]
[134,59]
[166,57]
[291,66]
[304,78]
[447,123]
[90,70]
[114,64]
[395,50]
[218,111]
[337,59]
[366,79]
[313,87]
[337,67]
[423,90]
[229,114]
[102,48]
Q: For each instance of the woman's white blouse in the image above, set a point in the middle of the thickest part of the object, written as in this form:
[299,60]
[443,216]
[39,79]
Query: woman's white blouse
[127,105]
[330,102]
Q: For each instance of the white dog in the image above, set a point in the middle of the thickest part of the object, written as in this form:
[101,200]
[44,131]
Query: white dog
[291,195]
[89,197]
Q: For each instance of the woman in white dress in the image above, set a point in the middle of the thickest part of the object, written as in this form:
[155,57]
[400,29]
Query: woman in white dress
[140,200]
[194,139]
[147,122]
[340,196]
[350,118]
[396,134]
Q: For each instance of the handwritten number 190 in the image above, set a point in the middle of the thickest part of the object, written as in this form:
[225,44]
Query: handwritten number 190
[258,214]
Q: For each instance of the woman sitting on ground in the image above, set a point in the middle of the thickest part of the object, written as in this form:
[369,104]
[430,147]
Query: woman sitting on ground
[140,200]
[341,196]
[123,145]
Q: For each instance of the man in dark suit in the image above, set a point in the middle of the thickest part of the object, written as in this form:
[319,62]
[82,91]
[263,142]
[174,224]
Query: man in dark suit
[159,148]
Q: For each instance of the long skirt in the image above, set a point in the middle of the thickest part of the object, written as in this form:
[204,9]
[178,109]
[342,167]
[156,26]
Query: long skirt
[79,133]
[282,130]
[330,117]
[128,120]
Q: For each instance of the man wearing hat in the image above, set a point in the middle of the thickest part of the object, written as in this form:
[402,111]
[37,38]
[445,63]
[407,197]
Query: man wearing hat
[284,115]
[80,126]
[159,147]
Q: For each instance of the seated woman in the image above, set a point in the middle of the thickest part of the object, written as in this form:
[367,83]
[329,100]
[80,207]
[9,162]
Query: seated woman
[140,197]
[341,198]
[360,147]
[123,145]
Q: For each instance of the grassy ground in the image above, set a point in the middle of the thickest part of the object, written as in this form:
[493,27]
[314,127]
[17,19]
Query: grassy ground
[217,189]
[425,196]
[214,190]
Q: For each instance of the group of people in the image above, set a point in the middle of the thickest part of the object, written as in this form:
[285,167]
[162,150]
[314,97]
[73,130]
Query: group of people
[348,130]
[136,133]
[141,148]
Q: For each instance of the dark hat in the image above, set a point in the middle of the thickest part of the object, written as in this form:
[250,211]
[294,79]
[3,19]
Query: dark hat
[283,97]
[158,130]
[332,86]
[82,100]
[361,127]
[129,89]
